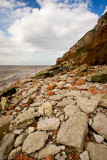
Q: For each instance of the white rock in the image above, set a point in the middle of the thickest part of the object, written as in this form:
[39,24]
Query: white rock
[12,155]
[57,156]
[20,139]
[84,155]
[62,147]
[90,122]
[30,130]
[23,120]
[102,100]
[56,97]
[87,105]
[98,138]
[18,131]
[47,107]
[61,117]
[48,124]
[97,151]
[34,141]
[49,149]
[36,104]
[60,84]
[100,124]
[70,110]
[65,102]
[6,144]
[63,157]
[41,111]
[73,131]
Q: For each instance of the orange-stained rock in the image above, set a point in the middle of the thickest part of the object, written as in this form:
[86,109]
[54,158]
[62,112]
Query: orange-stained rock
[79,82]
[19,94]
[18,111]
[51,87]
[12,107]
[73,79]
[51,93]
[92,90]
[55,132]
[9,113]
[74,156]
[24,157]
[103,92]
[73,88]
[24,90]
[86,141]
[49,157]
[25,105]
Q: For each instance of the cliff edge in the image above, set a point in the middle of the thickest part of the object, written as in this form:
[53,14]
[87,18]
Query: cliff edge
[91,48]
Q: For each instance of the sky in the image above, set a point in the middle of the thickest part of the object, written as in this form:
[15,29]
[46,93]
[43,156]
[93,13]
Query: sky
[37,32]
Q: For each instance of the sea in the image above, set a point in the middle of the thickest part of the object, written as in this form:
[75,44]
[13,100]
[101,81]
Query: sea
[12,73]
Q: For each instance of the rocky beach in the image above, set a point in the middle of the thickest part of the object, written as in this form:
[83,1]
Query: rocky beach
[61,112]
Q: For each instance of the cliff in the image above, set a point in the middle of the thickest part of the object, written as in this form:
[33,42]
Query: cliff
[91,48]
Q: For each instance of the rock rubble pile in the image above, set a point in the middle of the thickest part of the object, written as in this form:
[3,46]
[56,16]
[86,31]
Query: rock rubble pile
[57,118]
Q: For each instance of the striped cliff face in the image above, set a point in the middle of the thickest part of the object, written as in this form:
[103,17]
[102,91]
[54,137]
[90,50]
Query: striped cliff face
[90,49]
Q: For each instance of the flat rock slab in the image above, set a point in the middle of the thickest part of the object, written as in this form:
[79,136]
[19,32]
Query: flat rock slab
[87,105]
[48,150]
[34,141]
[6,144]
[56,97]
[4,120]
[23,120]
[73,131]
[100,124]
[102,100]
[48,124]
[65,102]
[97,151]
[20,139]
[70,110]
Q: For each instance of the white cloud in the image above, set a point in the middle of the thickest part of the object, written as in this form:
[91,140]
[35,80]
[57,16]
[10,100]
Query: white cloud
[45,34]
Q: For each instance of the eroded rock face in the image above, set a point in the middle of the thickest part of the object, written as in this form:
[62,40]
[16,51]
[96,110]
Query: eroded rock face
[95,41]
[48,124]
[100,124]
[23,120]
[73,131]
[97,151]
[48,150]
[34,141]
[6,144]
[87,105]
